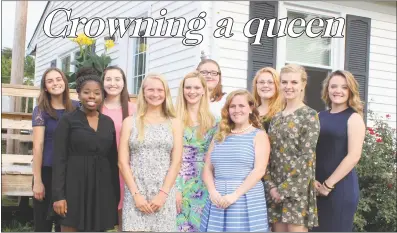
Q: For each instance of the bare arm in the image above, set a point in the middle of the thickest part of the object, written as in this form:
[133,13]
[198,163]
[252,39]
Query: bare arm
[262,151]
[176,156]
[124,156]
[356,135]
[269,184]
[208,175]
[38,144]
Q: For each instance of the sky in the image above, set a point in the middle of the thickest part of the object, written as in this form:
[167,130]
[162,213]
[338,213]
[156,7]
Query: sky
[35,10]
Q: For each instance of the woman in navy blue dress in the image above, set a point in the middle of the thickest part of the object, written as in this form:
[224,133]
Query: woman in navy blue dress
[52,103]
[338,150]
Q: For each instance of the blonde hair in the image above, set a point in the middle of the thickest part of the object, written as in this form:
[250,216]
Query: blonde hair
[354,100]
[205,117]
[294,68]
[275,102]
[226,124]
[142,106]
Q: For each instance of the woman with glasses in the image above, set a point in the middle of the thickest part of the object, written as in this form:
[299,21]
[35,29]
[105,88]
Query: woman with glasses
[266,92]
[211,71]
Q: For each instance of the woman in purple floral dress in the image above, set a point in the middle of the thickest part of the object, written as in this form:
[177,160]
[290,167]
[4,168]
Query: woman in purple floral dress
[199,125]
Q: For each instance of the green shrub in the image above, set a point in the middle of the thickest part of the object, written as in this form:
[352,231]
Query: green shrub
[377,209]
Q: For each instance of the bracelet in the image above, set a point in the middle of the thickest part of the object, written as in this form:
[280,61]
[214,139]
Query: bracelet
[164,192]
[272,187]
[135,193]
[325,184]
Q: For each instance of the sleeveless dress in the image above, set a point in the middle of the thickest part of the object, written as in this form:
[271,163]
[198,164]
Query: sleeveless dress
[336,211]
[189,181]
[150,161]
[233,160]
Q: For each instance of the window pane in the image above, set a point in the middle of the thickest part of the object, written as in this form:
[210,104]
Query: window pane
[139,55]
[304,49]
[66,64]
[141,64]
[144,64]
[76,55]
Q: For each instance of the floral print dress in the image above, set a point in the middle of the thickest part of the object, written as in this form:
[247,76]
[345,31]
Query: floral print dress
[291,168]
[189,181]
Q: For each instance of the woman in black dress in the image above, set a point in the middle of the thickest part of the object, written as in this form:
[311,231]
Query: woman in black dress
[338,150]
[85,184]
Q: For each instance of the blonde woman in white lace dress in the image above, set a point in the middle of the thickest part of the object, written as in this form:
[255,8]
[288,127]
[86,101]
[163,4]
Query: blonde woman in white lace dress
[150,155]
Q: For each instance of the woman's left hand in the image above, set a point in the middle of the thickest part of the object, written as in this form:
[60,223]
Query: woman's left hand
[158,201]
[229,199]
[324,191]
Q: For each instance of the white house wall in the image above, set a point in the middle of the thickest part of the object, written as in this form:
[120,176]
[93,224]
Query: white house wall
[232,53]
[168,55]
[50,48]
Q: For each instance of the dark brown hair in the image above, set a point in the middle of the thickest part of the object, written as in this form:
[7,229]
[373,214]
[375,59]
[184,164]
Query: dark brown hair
[217,93]
[124,96]
[44,100]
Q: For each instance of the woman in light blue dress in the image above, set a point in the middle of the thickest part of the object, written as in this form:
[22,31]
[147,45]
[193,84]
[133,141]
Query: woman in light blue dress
[235,163]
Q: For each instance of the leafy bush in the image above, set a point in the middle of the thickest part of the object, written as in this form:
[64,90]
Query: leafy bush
[88,58]
[377,168]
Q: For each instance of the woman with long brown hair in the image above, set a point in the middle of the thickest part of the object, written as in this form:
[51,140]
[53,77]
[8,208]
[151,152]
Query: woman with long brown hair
[266,92]
[211,71]
[338,151]
[117,106]
[53,102]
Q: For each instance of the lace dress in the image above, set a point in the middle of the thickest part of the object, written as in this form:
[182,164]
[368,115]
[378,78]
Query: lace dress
[150,161]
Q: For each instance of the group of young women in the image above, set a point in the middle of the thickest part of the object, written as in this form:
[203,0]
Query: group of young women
[217,162]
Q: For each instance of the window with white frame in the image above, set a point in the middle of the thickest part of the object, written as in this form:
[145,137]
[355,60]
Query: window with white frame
[67,61]
[139,62]
[65,64]
[315,54]
[305,50]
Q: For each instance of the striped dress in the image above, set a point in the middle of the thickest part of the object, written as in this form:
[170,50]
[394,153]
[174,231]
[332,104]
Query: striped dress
[233,160]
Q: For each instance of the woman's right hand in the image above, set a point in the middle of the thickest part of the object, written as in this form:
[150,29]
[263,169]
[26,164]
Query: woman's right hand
[178,202]
[216,198]
[275,195]
[38,190]
[60,207]
[142,204]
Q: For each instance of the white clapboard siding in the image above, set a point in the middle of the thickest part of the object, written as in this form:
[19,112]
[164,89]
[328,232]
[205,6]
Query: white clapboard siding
[382,65]
[232,53]
[168,55]
[49,49]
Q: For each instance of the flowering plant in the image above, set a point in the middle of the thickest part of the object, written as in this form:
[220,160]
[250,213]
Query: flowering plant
[377,169]
[88,58]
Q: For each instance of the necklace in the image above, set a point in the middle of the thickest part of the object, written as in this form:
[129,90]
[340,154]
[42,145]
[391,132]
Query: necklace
[241,131]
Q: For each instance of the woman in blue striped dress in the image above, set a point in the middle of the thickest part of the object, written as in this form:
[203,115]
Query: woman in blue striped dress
[235,163]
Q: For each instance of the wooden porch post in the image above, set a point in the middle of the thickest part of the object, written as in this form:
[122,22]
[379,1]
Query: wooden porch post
[18,60]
